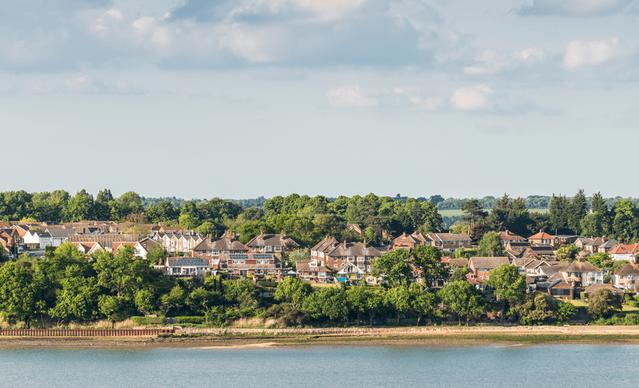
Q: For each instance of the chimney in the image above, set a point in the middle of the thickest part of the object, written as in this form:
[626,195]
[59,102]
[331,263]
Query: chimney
[364,243]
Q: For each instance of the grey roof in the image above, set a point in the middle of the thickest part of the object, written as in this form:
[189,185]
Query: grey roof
[186,262]
[60,233]
[448,237]
[487,262]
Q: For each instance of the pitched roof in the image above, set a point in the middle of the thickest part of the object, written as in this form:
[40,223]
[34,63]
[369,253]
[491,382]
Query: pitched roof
[272,240]
[628,269]
[328,243]
[540,236]
[596,286]
[509,236]
[582,266]
[224,243]
[448,237]
[60,233]
[487,262]
[460,263]
[355,249]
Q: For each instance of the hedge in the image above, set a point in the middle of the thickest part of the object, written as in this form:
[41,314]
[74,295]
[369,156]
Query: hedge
[190,319]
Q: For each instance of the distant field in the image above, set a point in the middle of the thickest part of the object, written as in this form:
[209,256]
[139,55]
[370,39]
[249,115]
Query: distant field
[458,212]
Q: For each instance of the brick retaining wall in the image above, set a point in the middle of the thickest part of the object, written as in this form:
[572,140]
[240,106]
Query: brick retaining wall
[83,332]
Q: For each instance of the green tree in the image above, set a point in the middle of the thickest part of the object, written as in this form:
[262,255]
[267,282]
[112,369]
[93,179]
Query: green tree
[428,259]
[577,211]
[19,292]
[490,245]
[599,259]
[77,299]
[459,274]
[145,301]
[510,215]
[111,307]
[463,299]
[507,284]
[566,310]
[79,207]
[357,298]
[603,303]
[121,274]
[625,223]
[399,300]
[293,290]
[567,252]
[422,303]
[559,209]
[535,308]
[328,303]
[394,267]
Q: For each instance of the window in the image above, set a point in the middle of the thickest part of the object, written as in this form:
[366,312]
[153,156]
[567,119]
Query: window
[278,249]
[238,261]
[335,266]
[258,271]
[269,249]
[351,258]
[261,262]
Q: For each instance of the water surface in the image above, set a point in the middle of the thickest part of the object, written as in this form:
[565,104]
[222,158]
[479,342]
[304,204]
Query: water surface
[324,366]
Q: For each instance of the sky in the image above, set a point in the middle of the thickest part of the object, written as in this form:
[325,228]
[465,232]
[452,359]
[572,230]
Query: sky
[248,98]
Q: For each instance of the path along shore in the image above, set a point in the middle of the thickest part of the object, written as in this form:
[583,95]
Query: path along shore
[233,338]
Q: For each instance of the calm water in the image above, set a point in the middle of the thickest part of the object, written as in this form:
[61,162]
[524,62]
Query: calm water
[346,366]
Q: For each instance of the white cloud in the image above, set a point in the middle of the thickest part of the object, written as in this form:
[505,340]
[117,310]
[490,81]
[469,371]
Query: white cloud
[491,62]
[471,98]
[581,53]
[575,7]
[350,96]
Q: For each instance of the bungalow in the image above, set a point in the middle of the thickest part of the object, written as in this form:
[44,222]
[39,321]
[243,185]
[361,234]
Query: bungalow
[186,266]
[58,236]
[594,287]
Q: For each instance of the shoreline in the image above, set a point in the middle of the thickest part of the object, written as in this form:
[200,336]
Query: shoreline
[222,339]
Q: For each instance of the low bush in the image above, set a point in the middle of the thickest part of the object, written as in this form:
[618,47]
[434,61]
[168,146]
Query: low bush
[266,283]
[196,320]
[631,303]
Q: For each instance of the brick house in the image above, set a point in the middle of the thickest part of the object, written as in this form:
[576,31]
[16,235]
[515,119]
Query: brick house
[480,267]
[312,271]
[449,241]
[272,244]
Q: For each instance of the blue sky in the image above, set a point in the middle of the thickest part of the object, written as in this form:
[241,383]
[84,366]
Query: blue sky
[237,99]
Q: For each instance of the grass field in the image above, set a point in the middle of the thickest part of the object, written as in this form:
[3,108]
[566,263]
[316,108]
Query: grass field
[458,212]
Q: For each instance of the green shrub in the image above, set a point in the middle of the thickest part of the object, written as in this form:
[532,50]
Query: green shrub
[631,303]
[148,320]
[196,320]
[583,296]
[632,319]
[636,298]
[265,283]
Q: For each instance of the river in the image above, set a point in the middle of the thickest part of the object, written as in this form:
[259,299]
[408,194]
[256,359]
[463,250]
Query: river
[324,366]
